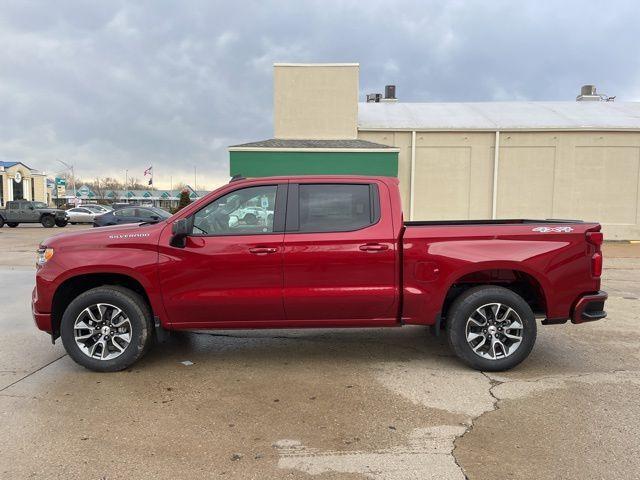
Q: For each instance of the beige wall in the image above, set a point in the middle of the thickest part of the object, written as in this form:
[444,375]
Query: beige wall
[583,175]
[315,101]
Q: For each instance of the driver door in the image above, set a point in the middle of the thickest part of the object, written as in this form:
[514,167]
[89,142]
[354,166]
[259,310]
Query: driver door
[229,272]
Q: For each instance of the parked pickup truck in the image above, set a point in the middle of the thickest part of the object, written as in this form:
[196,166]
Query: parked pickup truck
[24,211]
[335,254]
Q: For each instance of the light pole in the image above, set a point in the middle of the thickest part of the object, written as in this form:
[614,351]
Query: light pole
[73,175]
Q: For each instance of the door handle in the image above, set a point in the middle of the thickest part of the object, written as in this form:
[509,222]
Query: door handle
[263,250]
[374,247]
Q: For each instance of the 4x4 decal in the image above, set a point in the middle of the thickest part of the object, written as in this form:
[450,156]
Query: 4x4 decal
[553,229]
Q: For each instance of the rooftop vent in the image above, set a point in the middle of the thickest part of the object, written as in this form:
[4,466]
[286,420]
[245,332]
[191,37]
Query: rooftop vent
[373,97]
[588,93]
[389,95]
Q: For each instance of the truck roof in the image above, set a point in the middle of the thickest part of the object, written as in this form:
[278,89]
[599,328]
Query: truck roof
[366,178]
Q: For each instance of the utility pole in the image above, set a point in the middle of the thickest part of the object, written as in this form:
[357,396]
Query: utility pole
[126,182]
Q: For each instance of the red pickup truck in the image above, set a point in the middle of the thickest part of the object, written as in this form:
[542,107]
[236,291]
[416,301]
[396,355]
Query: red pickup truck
[309,252]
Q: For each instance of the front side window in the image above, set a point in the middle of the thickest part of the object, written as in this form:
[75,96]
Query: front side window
[39,205]
[334,208]
[248,211]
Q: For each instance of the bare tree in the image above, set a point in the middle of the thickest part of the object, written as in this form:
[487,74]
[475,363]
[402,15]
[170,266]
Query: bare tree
[98,188]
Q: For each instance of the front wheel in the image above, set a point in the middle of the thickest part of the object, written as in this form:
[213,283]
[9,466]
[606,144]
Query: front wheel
[12,224]
[61,223]
[491,328]
[48,221]
[107,329]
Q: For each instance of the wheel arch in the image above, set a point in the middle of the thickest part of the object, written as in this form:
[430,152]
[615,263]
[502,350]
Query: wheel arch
[76,285]
[524,283]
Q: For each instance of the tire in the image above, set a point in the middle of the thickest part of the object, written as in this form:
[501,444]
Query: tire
[133,307]
[463,321]
[12,224]
[73,223]
[1,222]
[61,223]
[48,221]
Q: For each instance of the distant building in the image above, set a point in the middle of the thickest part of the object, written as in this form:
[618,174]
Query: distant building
[21,182]
[577,159]
[160,198]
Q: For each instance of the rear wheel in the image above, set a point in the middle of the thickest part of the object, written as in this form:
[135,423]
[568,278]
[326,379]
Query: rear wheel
[107,329]
[491,328]
[48,221]
[12,224]
[1,222]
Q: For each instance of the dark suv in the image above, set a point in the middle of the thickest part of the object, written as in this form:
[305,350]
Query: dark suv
[24,211]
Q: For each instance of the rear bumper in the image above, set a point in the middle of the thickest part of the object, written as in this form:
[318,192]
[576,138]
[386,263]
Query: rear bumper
[589,308]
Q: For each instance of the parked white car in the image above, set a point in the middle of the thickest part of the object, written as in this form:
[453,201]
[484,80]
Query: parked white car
[81,215]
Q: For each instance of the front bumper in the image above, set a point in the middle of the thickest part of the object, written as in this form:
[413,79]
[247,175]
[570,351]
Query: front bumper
[42,320]
[589,308]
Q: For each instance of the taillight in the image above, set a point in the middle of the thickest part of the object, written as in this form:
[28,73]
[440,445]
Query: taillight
[596,264]
[596,239]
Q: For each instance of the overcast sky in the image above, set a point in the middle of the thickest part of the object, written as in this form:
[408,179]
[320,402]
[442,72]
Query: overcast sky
[113,85]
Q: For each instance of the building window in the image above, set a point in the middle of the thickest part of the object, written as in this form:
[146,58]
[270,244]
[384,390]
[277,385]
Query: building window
[18,191]
[33,189]
[1,191]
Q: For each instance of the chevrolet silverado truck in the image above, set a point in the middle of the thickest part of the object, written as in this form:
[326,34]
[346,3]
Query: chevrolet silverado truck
[336,253]
[24,211]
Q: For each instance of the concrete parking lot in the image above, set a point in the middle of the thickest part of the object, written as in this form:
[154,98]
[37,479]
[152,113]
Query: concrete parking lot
[322,404]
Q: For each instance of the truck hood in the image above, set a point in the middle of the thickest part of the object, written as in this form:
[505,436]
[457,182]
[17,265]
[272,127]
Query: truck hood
[108,236]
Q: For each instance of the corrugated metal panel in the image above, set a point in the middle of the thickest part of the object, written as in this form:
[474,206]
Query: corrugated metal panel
[500,116]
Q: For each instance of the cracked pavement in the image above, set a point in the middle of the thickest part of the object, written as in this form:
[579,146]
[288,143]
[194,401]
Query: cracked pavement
[381,404]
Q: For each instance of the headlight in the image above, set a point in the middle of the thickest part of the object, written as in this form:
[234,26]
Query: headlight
[44,255]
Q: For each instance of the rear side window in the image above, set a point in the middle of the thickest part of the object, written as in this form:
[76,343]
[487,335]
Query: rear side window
[125,212]
[144,213]
[336,207]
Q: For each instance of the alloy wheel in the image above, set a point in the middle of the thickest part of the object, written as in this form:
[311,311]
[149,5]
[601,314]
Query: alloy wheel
[494,331]
[102,331]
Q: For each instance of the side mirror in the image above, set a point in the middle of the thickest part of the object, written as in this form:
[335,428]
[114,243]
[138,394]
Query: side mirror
[180,230]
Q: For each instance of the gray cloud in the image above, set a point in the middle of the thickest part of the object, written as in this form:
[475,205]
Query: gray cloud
[115,85]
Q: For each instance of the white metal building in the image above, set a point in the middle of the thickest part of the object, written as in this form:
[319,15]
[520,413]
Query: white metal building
[573,159]
[555,159]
